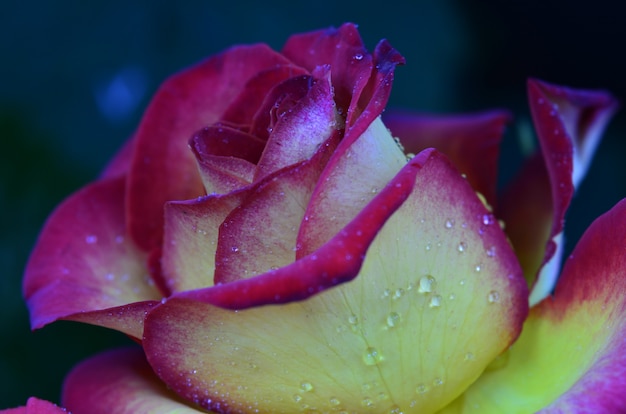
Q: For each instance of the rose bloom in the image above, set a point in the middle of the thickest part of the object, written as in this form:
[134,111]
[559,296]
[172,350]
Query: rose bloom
[273,246]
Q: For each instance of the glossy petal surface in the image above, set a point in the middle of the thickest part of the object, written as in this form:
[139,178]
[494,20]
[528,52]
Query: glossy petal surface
[569,358]
[36,406]
[124,384]
[84,254]
[407,334]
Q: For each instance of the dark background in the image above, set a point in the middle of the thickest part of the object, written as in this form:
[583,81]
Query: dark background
[75,77]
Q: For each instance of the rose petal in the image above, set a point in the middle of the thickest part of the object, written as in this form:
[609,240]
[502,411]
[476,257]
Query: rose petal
[343,50]
[570,356]
[163,168]
[300,130]
[191,231]
[569,124]
[353,179]
[226,157]
[395,338]
[36,406]
[83,262]
[471,142]
[119,382]
[260,234]
[245,106]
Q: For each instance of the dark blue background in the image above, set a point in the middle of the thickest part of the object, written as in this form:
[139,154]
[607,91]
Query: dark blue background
[67,65]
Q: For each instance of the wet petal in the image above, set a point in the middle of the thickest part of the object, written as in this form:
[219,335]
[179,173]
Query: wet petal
[83,262]
[569,357]
[471,142]
[411,332]
[120,382]
[352,178]
[569,125]
[163,168]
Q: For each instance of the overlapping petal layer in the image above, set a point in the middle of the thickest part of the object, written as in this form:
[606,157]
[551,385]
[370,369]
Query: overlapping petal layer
[569,125]
[85,268]
[569,357]
[408,334]
[123,384]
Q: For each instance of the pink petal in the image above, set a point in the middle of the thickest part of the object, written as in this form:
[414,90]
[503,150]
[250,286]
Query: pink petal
[344,51]
[260,234]
[119,382]
[83,262]
[163,168]
[36,406]
[569,124]
[471,142]
[337,261]
[300,130]
[570,356]
[388,341]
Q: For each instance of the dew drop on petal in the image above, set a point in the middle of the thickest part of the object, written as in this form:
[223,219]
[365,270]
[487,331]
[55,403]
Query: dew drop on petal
[469,356]
[449,223]
[462,247]
[426,284]
[421,389]
[393,319]
[435,301]
[334,401]
[371,356]
[306,386]
[493,297]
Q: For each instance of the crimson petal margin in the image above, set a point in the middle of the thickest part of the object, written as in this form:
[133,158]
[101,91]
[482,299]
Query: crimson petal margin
[570,356]
[36,406]
[569,124]
[163,168]
[120,382]
[338,261]
[85,268]
[470,141]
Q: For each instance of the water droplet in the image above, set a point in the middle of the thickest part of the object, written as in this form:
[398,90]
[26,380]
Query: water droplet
[462,282]
[435,301]
[426,284]
[386,293]
[421,389]
[491,252]
[469,356]
[234,249]
[428,247]
[382,396]
[393,319]
[306,386]
[358,56]
[452,296]
[367,402]
[493,297]
[449,223]
[353,319]
[398,293]
[91,239]
[297,398]
[462,247]
[437,382]
[488,219]
[334,401]
[478,268]
[395,410]
[371,356]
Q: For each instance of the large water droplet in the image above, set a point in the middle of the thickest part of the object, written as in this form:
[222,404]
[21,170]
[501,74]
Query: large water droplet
[371,356]
[426,284]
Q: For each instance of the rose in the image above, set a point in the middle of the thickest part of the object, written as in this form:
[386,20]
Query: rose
[322,271]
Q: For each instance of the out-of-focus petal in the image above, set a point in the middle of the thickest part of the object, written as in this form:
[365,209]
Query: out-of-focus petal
[83,262]
[408,334]
[36,406]
[569,125]
[570,356]
[471,142]
[163,168]
[120,382]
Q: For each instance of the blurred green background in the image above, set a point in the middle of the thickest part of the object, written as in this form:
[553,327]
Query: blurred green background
[76,75]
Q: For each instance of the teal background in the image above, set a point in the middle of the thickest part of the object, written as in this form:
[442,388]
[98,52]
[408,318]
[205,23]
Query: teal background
[60,58]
